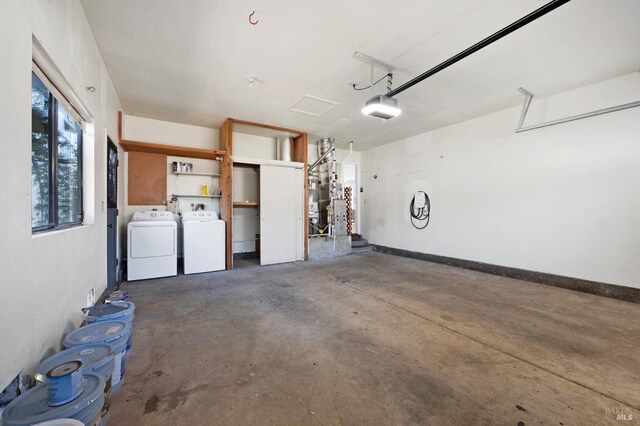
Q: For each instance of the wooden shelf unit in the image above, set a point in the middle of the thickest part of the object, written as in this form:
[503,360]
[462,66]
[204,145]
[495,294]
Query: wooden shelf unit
[195,196]
[196,174]
[173,150]
[246,203]
[299,154]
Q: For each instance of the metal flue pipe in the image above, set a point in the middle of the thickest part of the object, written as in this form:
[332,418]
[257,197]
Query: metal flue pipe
[322,157]
[481,44]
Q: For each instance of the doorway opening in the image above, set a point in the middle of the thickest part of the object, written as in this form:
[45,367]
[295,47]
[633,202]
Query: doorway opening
[350,180]
[112,215]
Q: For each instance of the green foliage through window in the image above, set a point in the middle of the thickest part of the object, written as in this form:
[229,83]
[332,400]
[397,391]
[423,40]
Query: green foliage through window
[56,162]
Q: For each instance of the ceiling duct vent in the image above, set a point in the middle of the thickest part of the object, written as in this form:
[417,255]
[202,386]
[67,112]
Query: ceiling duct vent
[310,105]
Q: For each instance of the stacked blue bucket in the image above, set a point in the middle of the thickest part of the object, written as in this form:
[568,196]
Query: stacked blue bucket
[114,311]
[33,406]
[114,333]
[78,382]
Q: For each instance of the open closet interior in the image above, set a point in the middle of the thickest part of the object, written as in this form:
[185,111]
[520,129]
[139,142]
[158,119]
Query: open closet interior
[264,192]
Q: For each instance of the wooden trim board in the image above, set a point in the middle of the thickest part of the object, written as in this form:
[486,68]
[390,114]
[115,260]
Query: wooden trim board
[300,154]
[119,127]
[176,151]
[226,186]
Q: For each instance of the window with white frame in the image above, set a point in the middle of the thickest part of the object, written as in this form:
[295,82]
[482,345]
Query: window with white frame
[56,158]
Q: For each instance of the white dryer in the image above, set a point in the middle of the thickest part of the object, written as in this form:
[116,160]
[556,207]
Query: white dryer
[152,245]
[203,240]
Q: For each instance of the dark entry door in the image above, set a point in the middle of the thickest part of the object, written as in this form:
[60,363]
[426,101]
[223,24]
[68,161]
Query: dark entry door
[112,214]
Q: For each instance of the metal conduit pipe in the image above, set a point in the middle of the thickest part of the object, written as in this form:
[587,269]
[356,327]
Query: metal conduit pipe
[348,155]
[521,129]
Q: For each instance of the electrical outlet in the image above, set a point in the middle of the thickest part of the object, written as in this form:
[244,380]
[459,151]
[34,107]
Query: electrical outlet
[91,297]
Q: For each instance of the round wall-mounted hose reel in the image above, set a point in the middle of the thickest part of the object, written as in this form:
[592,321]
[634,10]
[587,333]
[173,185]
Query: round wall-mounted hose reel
[420,210]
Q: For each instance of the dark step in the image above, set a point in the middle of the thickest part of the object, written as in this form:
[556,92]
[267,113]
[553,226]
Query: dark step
[365,249]
[359,243]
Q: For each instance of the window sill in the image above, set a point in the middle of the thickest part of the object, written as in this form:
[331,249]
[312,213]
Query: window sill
[42,234]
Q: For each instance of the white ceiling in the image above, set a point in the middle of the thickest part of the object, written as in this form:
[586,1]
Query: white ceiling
[189,61]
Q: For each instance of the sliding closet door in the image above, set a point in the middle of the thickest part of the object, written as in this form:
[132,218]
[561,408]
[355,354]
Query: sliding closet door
[301,205]
[280,194]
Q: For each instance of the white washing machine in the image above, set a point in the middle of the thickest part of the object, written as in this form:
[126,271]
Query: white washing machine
[152,245]
[203,240]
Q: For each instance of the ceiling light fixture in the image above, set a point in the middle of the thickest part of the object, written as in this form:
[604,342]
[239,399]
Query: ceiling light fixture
[382,107]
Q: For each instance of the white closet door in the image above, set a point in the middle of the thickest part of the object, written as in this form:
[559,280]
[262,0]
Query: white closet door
[280,189]
[301,204]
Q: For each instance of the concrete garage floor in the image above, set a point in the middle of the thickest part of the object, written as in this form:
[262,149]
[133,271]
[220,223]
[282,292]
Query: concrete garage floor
[376,339]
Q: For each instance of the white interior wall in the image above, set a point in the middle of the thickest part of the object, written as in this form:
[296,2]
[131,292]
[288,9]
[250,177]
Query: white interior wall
[46,278]
[562,199]
[168,133]
[253,146]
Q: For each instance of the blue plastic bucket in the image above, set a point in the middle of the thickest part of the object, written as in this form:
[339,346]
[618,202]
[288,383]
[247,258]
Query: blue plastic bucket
[95,358]
[64,383]
[32,406]
[114,311]
[114,333]
[117,296]
[62,422]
